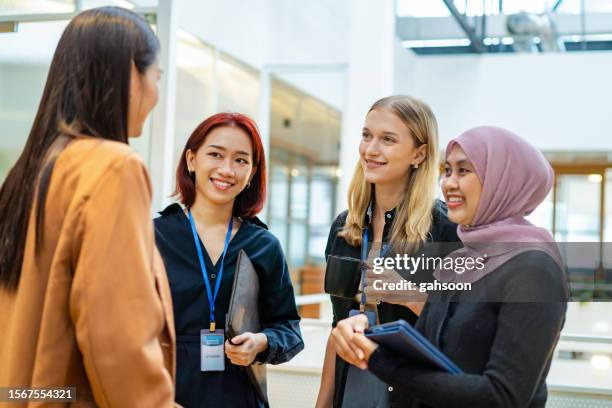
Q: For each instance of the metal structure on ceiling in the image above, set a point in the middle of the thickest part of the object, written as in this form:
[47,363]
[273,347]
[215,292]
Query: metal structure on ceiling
[492,28]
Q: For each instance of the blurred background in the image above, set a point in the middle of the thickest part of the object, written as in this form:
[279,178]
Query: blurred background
[307,72]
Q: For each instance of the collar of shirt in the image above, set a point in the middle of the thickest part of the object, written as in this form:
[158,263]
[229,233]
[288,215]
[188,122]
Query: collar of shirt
[389,217]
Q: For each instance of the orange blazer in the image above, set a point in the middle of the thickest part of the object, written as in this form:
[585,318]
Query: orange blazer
[93,307]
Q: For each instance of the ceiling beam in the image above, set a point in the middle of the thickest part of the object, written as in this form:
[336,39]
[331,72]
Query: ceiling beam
[475,41]
[557,4]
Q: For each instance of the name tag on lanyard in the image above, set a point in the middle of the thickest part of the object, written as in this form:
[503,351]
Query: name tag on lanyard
[364,255]
[212,340]
[212,350]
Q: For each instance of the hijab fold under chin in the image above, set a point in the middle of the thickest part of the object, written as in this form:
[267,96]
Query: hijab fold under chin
[515,179]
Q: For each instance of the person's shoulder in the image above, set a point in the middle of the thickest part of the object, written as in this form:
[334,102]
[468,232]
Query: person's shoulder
[442,229]
[99,169]
[534,259]
[94,162]
[257,228]
[259,234]
[256,223]
[335,241]
[439,210]
[101,151]
[167,217]
[169,210]
[340,220]
[115,149]
[536,271]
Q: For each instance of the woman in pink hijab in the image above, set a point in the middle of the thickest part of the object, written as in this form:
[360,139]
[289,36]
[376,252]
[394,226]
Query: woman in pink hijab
[502,332]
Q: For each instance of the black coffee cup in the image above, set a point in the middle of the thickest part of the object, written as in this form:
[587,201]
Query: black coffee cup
[342,276]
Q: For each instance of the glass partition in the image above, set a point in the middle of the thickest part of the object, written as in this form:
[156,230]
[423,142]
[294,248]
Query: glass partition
[542,216]
[238,87]
[36,6]
[209,82]
[25,57]
[194,87]
[577,218]
[305,135]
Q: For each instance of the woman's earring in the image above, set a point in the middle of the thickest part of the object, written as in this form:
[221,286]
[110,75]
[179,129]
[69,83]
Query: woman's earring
[191,172]
[415,166]
[248,184]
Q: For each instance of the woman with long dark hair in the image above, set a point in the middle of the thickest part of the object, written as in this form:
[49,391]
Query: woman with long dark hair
[84,300]
[221,181]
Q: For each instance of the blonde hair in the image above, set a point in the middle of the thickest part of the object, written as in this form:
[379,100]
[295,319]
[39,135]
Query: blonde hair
[413,215]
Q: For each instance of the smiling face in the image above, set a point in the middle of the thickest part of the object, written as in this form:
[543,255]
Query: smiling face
[223,165]
[461,187]
[387,149]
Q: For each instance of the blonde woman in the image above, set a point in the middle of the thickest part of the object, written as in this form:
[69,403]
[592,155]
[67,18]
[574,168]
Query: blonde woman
[392,205]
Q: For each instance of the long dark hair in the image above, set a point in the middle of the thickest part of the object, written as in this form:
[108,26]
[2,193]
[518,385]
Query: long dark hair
[86,93]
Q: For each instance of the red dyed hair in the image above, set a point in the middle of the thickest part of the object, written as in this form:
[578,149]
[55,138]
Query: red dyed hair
[251,200]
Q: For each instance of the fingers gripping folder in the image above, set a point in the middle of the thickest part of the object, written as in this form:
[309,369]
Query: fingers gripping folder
[403,339]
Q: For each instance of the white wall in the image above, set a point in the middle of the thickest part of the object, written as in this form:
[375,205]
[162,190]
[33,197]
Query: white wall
[306,32]
[559,102]
[235,27]
[372,47]
[293,35]
[404,70]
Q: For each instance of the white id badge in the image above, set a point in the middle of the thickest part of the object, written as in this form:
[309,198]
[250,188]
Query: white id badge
[212,350]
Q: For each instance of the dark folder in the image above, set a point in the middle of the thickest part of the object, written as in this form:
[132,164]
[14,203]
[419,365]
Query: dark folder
[243,316]
[403,339]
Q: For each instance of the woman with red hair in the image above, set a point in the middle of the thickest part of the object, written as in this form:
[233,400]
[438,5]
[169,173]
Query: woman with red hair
[221,182]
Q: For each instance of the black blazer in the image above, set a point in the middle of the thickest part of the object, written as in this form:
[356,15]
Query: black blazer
[505,347]
[442,230]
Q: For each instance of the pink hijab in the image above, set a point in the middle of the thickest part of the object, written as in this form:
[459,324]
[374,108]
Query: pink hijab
[515,179]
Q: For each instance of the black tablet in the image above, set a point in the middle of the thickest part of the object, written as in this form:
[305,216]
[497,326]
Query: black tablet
[403,339]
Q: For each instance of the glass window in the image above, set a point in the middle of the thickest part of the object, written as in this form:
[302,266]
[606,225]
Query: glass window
[238,87]
[305,135]
[591,6]
[194,87]
[299,192]
[531,6]
[304,125]
[419,8]
[297,244]
[578,217]
[608,204]
[607,255]
[25,57]
[279,189]
[317,243]
[36,6]
[128,4]
[278,227]
[542,216]
[321,203]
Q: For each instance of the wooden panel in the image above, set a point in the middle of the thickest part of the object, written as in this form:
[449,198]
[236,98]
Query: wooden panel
[311,282]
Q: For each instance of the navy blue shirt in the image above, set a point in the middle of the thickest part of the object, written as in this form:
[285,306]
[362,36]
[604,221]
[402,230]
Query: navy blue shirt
[278,312]
[442,230]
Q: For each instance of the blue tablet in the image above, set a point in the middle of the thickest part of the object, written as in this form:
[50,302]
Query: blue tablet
[403,339]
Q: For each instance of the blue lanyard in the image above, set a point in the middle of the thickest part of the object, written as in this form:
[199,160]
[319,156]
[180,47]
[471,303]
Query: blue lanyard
[211,298]
[364,257]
